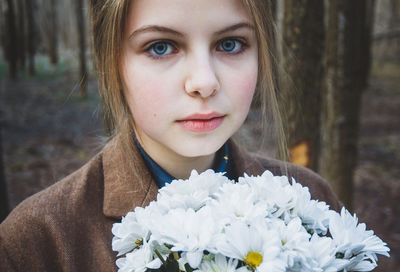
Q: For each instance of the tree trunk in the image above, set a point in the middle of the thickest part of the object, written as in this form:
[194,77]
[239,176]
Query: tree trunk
[53,33]
[394,14]
[366,41]
[347,70]
[274,9]
[280,6]
[4,207]
[82,47]
[11,41]
[303,41]
[21,35]
[3,29]
[30,6]
[332,148]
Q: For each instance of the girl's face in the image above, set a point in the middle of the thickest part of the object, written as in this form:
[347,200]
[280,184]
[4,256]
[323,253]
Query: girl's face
[189,70]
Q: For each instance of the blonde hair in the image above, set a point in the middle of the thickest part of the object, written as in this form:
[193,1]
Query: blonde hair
[108,19]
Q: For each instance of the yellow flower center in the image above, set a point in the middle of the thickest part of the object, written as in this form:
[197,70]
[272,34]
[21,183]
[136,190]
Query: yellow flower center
[138,243]
[253,259]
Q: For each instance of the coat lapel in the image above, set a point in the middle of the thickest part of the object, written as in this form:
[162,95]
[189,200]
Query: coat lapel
[126,185]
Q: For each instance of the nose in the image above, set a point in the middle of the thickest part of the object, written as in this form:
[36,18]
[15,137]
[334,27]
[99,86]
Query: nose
[201,81]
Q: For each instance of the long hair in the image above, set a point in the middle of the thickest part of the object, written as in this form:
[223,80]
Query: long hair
[266,91]
[108,18]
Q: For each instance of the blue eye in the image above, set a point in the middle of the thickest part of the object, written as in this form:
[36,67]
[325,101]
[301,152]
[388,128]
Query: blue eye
[160,49]
[232,46]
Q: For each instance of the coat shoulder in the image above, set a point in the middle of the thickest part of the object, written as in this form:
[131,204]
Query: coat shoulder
[37,223]
[64,195]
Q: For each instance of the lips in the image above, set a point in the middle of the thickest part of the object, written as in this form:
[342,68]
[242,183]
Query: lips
[202,122]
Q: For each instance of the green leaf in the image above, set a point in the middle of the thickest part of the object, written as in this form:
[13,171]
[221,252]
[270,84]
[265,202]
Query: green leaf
[169,265]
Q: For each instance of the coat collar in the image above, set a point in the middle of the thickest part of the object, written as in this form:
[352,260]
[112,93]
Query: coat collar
[127,186]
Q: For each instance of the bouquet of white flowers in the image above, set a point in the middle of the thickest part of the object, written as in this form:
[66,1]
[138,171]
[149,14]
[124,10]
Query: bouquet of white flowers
[262,223]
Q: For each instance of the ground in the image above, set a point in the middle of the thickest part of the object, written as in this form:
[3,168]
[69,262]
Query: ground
[49,131]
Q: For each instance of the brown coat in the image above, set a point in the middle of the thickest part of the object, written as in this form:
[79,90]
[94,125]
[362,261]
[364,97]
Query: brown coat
[67,227]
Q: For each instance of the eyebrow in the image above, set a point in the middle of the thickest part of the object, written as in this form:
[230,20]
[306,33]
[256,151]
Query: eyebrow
[156,28]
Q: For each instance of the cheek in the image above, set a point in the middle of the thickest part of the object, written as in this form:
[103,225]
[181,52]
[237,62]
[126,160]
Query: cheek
[241,80]
[149,94]
[146,102]
[249,85]
[244,86]
[146,90]
[139,94]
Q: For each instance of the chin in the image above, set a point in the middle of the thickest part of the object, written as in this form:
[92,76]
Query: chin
[198,150]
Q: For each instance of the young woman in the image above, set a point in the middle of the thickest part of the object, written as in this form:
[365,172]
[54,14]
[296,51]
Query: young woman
[177,79]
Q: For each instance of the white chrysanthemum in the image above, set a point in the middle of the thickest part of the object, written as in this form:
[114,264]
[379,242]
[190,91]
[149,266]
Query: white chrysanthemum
[192,193]
[354,242]
[259,250]
[187,231]
[139,260]
[360,262]
[275,191]
[314,214]
[294,242]
[135,228]
[128,234]
[219,263]
[237,202]
[322,255]
[266,177]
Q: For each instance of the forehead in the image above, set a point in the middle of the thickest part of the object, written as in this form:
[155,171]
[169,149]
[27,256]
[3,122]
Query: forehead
[186,16]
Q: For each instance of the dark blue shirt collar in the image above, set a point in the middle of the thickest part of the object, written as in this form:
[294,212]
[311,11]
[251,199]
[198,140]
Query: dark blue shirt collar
[221,164]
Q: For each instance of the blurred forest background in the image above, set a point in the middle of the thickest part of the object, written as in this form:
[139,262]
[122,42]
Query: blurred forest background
[339,83]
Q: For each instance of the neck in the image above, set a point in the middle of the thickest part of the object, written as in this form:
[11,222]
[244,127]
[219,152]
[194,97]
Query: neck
[181,167]
[176,165]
